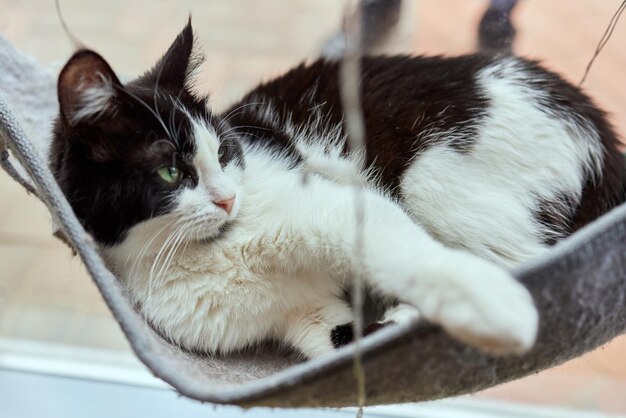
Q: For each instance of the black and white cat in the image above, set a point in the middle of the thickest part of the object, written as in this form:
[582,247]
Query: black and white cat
[474,165]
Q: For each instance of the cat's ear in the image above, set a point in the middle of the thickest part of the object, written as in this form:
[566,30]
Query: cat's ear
[88,89]
[173,71]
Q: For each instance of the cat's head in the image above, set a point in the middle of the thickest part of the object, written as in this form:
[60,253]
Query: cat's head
[145,159]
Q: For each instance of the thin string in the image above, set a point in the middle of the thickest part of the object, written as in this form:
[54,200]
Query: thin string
[349,77]
[605,38]
[75,42]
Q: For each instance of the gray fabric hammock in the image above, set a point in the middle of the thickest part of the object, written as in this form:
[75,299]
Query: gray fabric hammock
[579,288]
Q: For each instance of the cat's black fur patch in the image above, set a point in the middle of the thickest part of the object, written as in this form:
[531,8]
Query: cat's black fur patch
[341,335]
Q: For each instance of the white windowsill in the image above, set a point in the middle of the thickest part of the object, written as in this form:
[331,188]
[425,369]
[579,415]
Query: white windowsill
[33,368]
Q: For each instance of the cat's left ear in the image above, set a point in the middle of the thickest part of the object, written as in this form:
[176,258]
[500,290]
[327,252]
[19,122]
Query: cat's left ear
[88,89]
[174,69]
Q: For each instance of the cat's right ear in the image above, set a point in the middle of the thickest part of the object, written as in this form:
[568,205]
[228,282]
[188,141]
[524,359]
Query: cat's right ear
[88,89]
[174,70]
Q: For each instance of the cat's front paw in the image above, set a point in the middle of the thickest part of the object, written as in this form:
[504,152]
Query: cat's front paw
[482,305]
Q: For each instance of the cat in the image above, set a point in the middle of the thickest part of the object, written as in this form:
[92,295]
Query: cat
[231,229]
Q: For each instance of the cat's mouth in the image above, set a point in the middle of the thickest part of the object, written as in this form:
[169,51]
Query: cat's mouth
[218,233]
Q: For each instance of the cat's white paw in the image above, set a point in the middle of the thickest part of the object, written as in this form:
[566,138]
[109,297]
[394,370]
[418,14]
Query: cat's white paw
[401,313]
[482,305]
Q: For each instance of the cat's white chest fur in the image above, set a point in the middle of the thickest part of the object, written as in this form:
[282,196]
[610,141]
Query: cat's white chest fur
[218,296]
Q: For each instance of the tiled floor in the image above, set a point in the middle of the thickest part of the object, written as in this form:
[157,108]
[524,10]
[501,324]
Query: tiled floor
[46,295]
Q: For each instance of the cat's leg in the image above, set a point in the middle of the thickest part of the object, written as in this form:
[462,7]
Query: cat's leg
[473,299]
[310,330]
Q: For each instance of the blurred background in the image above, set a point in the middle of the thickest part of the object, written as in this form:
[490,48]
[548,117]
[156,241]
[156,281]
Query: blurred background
[49,309]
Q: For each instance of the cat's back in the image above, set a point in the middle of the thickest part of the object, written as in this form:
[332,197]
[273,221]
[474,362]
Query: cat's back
[478,147]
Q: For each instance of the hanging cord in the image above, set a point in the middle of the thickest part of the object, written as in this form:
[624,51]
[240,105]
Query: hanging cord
[605,38]
[73,39]
[379,19]
[349,85]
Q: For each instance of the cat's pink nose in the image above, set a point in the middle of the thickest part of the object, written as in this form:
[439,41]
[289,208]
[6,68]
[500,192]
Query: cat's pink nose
[226,204]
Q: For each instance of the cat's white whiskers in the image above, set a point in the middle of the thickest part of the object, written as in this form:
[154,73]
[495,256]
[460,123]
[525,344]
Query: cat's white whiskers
[155,263]
[164,247]
[176,105]
[180,236]
[155,114]
[156,106]
[235,128]
[187,242]
[225,120]
[138,258]
[183,238]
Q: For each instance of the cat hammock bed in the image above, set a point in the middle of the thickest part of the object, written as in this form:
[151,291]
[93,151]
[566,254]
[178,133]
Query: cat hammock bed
[579,288]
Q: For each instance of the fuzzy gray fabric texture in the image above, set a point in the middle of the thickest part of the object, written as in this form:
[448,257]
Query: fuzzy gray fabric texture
[579,288]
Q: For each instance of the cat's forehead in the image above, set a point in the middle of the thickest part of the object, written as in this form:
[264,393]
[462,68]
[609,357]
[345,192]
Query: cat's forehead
[206,142]
[169,124]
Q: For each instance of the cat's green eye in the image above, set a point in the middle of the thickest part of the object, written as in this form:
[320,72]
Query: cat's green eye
[169,174]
